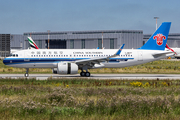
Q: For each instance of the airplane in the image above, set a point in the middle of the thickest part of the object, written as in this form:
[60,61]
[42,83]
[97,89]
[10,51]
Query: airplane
[69,61]
[32,43]
[175,50]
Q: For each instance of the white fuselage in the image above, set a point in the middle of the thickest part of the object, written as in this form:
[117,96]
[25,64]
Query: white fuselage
[49,58]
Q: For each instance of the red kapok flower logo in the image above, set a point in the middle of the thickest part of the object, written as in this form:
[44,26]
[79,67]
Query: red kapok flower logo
[159,39]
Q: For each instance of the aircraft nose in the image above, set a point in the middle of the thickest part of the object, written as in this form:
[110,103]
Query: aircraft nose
[5,61]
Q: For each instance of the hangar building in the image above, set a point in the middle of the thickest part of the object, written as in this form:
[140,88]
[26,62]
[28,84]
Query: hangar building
[112,39]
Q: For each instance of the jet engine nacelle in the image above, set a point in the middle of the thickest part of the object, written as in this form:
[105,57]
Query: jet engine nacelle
[66,68]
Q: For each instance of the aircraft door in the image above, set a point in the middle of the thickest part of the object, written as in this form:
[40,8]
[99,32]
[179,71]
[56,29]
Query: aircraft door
[26,56]
[140,55]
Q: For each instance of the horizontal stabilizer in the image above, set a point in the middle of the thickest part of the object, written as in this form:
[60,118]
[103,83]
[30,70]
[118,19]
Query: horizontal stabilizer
[162,53]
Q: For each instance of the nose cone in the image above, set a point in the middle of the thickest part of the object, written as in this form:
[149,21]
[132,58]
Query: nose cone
[5,61]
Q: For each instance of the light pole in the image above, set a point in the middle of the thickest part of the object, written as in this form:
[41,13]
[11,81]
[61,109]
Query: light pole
[156,21]
[102,40]
[48,38]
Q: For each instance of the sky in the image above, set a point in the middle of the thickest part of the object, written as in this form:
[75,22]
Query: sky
[21,16]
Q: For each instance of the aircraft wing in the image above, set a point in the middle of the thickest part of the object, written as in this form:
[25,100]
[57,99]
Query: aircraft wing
[99,59]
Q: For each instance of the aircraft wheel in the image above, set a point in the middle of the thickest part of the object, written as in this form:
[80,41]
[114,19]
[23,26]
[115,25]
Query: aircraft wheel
[82,74]
[26,75]
[88,74]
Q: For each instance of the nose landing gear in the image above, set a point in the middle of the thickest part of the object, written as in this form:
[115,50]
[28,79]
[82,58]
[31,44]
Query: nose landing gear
[26,74]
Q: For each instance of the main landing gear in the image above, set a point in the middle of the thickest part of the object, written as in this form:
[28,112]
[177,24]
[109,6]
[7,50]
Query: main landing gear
[26,74]
[85,74]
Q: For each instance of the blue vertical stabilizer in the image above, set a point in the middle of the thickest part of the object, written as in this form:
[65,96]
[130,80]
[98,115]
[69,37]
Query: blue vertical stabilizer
[159,39]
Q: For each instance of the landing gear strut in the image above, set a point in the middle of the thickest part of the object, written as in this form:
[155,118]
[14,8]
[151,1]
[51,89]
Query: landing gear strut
[26,74]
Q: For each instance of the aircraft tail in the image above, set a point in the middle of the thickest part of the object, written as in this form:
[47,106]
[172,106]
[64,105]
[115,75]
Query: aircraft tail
[159,39]
[32,43]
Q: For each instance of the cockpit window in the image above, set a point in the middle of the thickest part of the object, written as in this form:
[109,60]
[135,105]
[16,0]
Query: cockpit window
[14,55]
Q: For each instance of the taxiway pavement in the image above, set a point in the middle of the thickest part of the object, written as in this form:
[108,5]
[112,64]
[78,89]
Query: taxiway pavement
[98,76]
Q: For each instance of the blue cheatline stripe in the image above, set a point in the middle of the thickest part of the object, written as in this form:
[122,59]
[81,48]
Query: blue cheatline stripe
[50,62]
[9,61]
